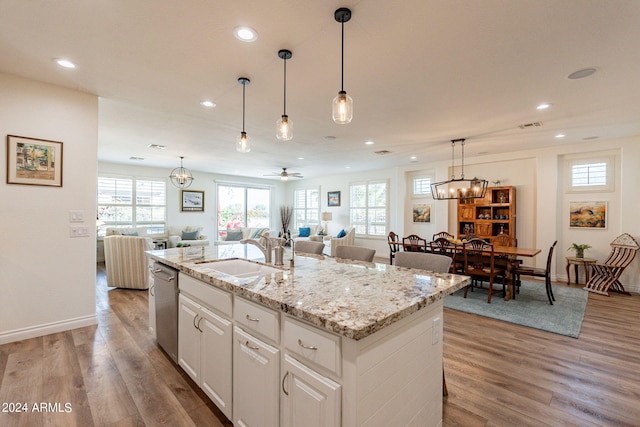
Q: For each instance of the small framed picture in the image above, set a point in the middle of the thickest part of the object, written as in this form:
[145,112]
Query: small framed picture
[333,198]
[192,201]
[32,161]
[588,215]
[421,213]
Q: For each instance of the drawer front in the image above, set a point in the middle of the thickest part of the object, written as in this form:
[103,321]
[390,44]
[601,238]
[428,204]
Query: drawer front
[213,297]
[256,318]
[319,347]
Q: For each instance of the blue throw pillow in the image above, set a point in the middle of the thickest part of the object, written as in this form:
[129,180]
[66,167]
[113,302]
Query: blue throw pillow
[342,233]
[234,236]
[135,233]
[190,235]
[304,231]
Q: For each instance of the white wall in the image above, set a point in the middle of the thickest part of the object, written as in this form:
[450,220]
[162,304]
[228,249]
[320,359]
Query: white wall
[47,278]
[202,182]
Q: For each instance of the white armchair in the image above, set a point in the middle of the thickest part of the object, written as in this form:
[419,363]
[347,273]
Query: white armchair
[349,239]
[126,262]
[190,235]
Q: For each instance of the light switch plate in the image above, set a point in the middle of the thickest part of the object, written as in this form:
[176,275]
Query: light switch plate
[76,216]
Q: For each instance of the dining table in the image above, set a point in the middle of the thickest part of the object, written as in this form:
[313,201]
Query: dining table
[510,253]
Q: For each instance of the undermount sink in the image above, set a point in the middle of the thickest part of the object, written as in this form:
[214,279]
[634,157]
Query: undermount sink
[239,268]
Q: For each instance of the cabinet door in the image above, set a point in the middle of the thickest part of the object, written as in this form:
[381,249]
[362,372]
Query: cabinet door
[255,381]
[466,212]
[309,399]
[189,337]
[215,358]
[152,307]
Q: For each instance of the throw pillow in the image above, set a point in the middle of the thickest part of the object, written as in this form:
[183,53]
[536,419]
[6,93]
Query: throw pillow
[304,231]
[190,235]
[341,234]
[135,233]
[234,236]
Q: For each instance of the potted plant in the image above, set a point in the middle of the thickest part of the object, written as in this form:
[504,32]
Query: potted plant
[579,249]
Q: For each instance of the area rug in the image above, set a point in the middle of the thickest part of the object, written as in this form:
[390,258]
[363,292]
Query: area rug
[530,308]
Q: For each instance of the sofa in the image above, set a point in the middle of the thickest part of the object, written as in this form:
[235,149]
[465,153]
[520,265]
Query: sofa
[126,262]
[301,234]
[186,235]
[240,233]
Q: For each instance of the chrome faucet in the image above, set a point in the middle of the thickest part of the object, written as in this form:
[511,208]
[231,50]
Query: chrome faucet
[264,245]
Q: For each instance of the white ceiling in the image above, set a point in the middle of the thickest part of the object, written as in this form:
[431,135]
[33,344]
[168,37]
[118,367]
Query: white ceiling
[420,72]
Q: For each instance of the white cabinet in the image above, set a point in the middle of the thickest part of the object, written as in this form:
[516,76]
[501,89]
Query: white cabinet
[204,351]
[309,399]
[255,381]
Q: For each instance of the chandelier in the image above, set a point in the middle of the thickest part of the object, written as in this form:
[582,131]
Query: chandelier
[459,188]
[181,177]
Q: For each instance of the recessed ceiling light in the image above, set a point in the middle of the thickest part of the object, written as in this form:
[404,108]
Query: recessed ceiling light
[413,158]
[543,106]
[581,74]
[208,104]
[369,143]
[300,158]
[65,63]
[245,34]
[347,167]
[560,135]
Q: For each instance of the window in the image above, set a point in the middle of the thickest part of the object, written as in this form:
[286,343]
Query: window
[421,186]
[306,207]
[243,206]
[125,202]
[590,174]
[368,208]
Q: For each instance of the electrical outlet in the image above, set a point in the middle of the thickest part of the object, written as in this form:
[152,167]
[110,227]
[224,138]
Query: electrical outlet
[437,330]
[79,231]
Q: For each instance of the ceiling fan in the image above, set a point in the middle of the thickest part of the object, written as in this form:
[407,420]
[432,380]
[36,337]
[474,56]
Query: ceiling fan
[284,175]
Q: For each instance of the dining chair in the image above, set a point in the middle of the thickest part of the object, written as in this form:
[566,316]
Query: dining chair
[309,247]
[394,245]
[424,261]
[443,234]
[356,253]
[414,243]
[429,262]
[539,272]
[479,263]
[443,246]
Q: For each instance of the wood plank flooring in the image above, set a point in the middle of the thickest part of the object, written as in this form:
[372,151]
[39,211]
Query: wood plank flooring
[498,374]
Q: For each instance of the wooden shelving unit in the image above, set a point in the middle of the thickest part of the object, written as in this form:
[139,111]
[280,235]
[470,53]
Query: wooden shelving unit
[490,216]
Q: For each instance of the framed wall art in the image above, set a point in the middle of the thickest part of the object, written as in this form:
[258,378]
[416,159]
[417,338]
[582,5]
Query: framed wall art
[333,198]
[32,161]
[192,201]
[421,213]
[588,215]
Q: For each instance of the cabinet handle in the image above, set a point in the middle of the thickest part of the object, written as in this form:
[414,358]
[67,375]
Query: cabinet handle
[194,322]
[251,347]
[198,325]
[151,291]
[308,347]
[157,270]
[283,380]
[252,319]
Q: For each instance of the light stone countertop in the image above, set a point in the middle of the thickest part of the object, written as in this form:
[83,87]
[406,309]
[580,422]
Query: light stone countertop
[352,299]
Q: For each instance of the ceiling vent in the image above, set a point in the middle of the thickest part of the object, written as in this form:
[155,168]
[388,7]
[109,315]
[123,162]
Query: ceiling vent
[530,125]
[382,152]
[157,146]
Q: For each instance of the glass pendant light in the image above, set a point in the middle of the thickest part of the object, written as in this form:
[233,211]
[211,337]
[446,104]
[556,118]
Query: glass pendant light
[181,177]
[242,144]
[342,108]
[284,126]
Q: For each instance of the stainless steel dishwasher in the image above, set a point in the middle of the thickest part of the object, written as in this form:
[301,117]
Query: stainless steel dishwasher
[166,291]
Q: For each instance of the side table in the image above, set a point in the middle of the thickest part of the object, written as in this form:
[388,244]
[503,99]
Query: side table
[160,243]
[576,262]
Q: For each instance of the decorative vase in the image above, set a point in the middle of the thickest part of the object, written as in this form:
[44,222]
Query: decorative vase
[579,253]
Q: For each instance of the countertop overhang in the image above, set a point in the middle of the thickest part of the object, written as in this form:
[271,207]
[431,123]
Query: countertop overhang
[352,299]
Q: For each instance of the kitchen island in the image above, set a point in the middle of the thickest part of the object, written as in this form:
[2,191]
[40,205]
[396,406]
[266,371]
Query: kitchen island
[330,342]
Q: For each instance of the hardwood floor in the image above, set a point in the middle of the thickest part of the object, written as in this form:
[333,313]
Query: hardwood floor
[498,374]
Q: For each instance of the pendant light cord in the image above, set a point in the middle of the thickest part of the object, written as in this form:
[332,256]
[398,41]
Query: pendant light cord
[462,169]
[243,102]
[453,150]
[285,87]
[342,60]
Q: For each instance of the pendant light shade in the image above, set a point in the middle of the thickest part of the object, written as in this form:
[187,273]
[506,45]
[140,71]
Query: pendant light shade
[342,107]
[181,177]
[459,188]
[242,143]
[284,126]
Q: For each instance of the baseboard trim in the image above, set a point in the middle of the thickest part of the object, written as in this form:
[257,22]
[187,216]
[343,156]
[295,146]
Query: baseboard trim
[49,328]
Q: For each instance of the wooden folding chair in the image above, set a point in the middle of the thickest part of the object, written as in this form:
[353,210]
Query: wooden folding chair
[606,275]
